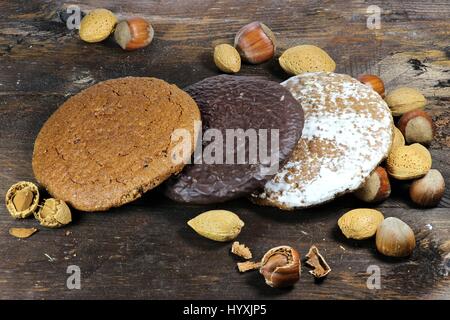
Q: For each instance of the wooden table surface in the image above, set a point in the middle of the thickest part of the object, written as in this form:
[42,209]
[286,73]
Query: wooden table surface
[145,249]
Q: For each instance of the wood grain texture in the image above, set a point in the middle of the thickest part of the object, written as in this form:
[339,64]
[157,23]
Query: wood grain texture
[145,249]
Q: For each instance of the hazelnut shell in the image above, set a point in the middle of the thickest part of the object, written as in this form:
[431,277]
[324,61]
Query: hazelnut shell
[376,188]
[417,127]
[134,33]
[374,82]
[395,238]
[255,42]
[280,266]
[429,190]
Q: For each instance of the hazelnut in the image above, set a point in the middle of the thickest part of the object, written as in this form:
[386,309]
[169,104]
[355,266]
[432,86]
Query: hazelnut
[134,33]
[429,190]
[374,82]
[417,126]
[395,238]
[404,99]
[376,188]
[280,267]
[255,43]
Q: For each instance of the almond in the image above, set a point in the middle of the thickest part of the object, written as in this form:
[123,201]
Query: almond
[217,225]
[360,224]
[409,162]
[306,58]
[97,25]
[227,58]
[399,139]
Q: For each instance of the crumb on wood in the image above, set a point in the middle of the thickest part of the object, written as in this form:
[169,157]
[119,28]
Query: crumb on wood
[248,265]
[241,250]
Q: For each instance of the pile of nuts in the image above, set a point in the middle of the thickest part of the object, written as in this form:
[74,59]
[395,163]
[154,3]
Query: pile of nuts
[22,200]
[129,34]
[394,238]
[255,43]
[280,266]
[408,159]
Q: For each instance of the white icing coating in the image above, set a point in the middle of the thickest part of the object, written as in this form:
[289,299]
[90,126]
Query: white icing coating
[348,131]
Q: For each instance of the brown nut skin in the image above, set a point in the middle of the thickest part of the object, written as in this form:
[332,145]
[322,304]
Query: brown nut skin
[280,267]
[373,81]
[255,42]
[417,127]
[134,33]
[376,188]
[395,238]
[429,190]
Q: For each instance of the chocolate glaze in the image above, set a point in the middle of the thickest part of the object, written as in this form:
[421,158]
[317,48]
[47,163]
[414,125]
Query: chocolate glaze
[237,102]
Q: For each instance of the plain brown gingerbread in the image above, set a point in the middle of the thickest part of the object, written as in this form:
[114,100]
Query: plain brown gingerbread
[112,142]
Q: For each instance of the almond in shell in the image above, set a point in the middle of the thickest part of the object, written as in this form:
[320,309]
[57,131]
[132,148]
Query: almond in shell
[409,162]
[217,225]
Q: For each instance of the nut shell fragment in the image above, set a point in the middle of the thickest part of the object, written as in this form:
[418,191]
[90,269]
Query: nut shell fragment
[241,250]
[22,233]
[248,266]
[22,199]
[54,214]
[280,267]
[317,261]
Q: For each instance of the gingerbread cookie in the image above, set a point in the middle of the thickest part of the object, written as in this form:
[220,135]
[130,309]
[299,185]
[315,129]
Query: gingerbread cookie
[348,131]
[112,142]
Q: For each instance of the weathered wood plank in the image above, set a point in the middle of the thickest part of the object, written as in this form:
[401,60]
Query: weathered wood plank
[145,249]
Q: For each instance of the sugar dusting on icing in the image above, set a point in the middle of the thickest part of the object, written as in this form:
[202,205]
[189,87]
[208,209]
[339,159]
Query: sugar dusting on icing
[347,133]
